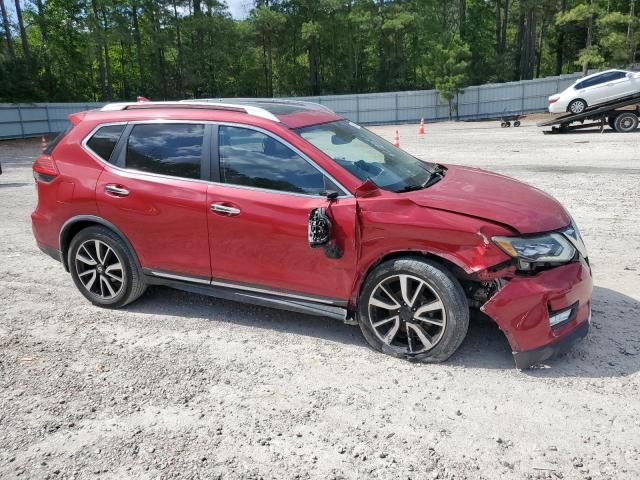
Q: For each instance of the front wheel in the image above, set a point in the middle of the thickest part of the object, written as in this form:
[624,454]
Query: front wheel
[413,308]
[103,268]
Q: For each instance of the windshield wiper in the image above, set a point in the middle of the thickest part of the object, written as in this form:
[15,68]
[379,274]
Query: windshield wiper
[434,177]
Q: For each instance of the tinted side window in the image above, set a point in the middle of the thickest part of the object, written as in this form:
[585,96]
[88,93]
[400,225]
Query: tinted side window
[254,159]
[595,81]
[104,140]
[168,149]
[616,76]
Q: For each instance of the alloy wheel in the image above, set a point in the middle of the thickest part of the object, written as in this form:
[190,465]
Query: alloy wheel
[99,269]
[577,107]
[406,313]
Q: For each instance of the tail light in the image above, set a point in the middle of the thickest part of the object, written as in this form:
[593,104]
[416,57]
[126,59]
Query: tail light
[44,168]
[553,99]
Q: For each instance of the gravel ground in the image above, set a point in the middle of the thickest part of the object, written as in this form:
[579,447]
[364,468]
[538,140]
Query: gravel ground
[183,386]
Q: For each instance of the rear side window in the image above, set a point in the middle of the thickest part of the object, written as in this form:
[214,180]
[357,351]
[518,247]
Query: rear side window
[103,142]
[167,149]
[616,76]
[591,82]
[254,159]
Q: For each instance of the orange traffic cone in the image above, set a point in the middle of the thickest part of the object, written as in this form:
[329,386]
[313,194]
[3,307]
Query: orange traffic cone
[421,129]
[43,144]
[396,139]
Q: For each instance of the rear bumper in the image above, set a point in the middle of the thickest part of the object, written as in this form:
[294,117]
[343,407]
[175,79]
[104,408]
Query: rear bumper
[523,306]
[558,107]
[52,252]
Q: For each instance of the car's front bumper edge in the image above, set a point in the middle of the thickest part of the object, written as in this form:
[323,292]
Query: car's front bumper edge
[533,357]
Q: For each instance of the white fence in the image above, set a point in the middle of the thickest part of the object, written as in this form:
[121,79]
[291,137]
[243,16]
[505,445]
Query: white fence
[483,101]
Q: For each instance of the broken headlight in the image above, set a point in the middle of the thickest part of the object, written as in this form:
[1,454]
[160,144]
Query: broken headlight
[551,248]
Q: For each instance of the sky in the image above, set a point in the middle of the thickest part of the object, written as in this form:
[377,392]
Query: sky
[239,8]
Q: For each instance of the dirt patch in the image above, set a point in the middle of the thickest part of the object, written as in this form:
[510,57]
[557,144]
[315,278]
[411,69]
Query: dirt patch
[180,385]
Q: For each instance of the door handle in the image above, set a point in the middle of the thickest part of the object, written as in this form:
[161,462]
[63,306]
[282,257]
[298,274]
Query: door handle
[224,209]
[116,190]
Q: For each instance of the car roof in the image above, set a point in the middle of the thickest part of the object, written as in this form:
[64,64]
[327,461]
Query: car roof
[600,73]
[291,113]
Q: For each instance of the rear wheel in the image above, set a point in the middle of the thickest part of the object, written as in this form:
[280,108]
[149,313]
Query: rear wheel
[103,268]
[577,106]
[413,308]
[626,122]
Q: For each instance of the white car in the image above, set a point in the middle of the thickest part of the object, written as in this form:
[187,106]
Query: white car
[595,89]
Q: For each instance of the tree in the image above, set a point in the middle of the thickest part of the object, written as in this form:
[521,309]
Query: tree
[165,49]
[583,13]
[23,35]
[267,24]
[448,68]
[7,31]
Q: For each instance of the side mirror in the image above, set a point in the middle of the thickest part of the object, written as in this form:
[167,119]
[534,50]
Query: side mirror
[320,232]
[319,228]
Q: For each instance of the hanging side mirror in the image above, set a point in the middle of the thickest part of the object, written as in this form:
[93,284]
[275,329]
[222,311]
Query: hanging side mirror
[319,227]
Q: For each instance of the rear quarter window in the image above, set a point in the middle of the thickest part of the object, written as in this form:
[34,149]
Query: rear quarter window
[54,143]
[104,141]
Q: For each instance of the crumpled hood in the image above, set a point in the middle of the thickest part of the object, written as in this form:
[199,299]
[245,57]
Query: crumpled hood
[488,195]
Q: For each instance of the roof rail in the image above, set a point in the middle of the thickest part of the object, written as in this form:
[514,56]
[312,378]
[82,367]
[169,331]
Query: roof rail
[248,109]
[284,101]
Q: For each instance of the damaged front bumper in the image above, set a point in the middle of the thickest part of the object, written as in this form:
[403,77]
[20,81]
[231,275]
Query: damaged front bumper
[524,306]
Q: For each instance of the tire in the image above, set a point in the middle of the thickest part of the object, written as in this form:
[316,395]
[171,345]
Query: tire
[507,124]
[445,327]
[577,106]
[626,122]
[516,123]
[503,125]
[103,249]
[611,121]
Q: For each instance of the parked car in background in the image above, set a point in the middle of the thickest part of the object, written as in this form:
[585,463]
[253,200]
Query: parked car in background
[289,205]
[594,90]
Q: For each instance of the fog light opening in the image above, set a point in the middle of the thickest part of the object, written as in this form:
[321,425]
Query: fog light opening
[560,317]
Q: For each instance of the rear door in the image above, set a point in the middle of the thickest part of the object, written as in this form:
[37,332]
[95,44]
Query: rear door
[594,90]
[155,193]
[258,214]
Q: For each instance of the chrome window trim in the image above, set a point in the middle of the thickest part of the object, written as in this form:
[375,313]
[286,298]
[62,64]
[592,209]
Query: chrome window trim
[296,151]
[345,192]
[85,140]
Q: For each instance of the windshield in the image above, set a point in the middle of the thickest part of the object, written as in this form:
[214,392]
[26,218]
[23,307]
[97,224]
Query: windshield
[367,156]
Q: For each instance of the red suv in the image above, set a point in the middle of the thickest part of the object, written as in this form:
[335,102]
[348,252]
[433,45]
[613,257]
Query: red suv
[288,205]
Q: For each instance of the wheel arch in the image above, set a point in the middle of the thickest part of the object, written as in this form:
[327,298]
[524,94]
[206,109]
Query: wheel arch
[78,223]
[456,270]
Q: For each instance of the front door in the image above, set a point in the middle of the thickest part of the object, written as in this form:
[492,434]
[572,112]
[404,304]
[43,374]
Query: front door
[258,216]
[156,196]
